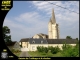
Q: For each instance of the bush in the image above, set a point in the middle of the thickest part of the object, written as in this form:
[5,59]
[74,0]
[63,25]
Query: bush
[57,49]
[45,49]
[70,51]
[54,50]
[64,46]
[14,51]
[50,47]
[40,48]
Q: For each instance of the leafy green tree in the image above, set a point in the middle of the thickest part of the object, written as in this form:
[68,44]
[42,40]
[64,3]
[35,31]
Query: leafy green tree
[77,48]
[70,51]
[6,37]
[76,38]
[64,45]
[68,37]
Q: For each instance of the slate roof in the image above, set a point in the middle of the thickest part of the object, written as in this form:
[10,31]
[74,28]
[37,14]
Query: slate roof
[49,41]
[61,41]
[24,40]
[38,41]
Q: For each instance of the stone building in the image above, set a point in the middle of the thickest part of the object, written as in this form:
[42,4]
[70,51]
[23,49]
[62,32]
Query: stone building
[52,39]
[53,30]
[32,44]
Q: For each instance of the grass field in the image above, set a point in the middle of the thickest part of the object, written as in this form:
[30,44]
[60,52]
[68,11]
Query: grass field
[49,54]
[17,54]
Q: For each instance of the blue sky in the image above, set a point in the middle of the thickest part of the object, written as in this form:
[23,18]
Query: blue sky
[28,18]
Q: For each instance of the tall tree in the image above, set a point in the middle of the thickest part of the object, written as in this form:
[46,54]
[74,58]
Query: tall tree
[68,37]
[76,38]
[6,37]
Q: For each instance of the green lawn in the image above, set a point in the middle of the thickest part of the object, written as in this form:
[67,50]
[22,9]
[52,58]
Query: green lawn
[17,54]
[38,54]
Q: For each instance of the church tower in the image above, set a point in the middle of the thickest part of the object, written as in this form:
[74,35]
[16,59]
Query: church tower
[53,30]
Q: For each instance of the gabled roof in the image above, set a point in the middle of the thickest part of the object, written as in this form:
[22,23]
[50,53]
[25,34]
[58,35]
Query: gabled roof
[41,34]
[38,41]
[11,43]
[24,40]
[61,41]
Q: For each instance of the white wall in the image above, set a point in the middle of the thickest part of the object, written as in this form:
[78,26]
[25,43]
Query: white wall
[33,47]
[24,44]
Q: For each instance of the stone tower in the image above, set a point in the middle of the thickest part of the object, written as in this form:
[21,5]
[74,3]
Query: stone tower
[53,30]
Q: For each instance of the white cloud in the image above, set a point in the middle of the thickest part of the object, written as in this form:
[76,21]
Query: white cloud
[29,23]
[45,6]
[26,25]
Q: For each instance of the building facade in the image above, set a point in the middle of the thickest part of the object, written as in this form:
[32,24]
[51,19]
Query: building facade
[14,45]
[52,39]
[32,44]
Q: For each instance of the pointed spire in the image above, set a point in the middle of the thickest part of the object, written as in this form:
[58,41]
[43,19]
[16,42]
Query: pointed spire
[53,17]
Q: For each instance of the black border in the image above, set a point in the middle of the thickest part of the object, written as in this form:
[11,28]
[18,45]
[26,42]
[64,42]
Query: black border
[45,0]
[3,45]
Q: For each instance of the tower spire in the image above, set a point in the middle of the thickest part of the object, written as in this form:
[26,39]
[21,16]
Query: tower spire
[53,17]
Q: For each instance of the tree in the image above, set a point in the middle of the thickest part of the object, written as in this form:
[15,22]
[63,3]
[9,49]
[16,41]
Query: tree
[76,38]
[68,37]
[70,51]
[6,37]
[64,45]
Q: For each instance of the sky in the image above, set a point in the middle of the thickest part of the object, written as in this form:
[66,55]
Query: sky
[27,18]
